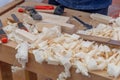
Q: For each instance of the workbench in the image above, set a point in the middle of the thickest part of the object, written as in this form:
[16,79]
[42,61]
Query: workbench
[33,69]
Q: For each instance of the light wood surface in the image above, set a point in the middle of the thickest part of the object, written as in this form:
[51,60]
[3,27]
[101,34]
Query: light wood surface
[9,6]
[8,52]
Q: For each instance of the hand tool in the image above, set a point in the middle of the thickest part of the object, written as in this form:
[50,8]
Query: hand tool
[3,35]
[84,24]
[100,39]
[20,24]
[38,7]
[59,10]
[31,11]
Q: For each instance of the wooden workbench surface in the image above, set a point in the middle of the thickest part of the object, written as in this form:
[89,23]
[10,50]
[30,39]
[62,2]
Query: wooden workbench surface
[8,51]
[9,6]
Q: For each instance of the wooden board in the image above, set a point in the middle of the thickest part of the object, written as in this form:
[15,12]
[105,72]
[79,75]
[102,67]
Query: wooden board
[8,53]
[9,6]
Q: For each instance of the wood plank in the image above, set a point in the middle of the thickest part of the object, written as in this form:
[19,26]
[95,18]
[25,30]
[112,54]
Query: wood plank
[41,25]
[60,19]
[5,71]
[27,36]
[100,40]
[66,27]
[9,6]
[102,18]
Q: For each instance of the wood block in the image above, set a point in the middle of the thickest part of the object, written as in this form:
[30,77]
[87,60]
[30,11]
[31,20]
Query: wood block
[40,25]
[53,17]
[101,18]
[66,27]
[26,35]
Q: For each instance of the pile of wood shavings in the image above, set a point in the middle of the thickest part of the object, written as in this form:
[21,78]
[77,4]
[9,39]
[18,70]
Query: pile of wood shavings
[108,31]
[72,51]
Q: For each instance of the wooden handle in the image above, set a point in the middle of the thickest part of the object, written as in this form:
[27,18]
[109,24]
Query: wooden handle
[94,38]
[100,39]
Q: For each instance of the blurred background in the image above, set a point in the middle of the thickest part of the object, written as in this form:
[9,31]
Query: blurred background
[4,2]
[114,9]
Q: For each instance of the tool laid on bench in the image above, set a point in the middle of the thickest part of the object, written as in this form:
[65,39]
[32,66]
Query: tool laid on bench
[20,24]
[59,10]
[37,7]
[3,35]
[100,39]
[84,24]
[32,12]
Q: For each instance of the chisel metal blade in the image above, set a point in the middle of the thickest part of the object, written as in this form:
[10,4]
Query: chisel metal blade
[20,24]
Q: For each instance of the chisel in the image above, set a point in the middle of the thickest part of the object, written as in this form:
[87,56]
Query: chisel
[20,24]
[84,24]
[3,35]
[100,39]
[32,12]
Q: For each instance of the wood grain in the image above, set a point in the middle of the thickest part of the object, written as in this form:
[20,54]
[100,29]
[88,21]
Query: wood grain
[9,6]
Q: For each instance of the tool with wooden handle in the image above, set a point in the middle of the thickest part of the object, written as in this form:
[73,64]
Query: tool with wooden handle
[100,39]
[3,35]
[88,26]
[39,7]
[32,12]
[20,24]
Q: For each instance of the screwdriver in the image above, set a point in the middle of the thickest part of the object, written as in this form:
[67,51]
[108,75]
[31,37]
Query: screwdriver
[3,35]
[20,24]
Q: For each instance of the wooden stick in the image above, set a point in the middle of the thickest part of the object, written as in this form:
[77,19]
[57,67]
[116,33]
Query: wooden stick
[100,39]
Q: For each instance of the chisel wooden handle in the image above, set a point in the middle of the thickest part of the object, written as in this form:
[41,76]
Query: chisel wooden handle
[100,39]
[3,35]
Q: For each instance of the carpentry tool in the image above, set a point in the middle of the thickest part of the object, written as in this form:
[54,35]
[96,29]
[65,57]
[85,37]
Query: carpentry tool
[84,24]
[20,24]
[39,7]
[32,12]
[59,10]
[100,39]
[3,35]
